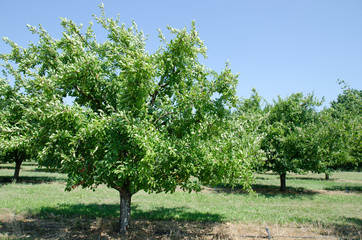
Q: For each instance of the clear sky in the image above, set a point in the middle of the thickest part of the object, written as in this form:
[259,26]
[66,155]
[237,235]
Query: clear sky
[278,47]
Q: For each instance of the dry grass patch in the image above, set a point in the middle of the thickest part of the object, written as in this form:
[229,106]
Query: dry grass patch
[19,227]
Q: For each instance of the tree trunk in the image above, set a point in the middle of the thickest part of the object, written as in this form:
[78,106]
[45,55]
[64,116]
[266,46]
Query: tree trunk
[327,176]
[125,209]
[282,182]
[18,162]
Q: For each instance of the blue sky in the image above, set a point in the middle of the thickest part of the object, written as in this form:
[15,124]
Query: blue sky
[278,47]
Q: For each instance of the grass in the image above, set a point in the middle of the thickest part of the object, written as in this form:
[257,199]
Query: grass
[309,201]
[339,181]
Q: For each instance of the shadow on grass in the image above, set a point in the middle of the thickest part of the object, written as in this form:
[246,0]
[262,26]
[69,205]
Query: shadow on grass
[7,167]
[176,213]
[47,170]
[100,221]
[268,191]
[76,210]
[105,228]
[295,192]
[93,221]
[264,178]
[94,211]
[273,191]
[309,178]
[30,180]
[351,230]
[355,221]
[25,165]
[35,169]
[295,178]
[29,164]
[345,188]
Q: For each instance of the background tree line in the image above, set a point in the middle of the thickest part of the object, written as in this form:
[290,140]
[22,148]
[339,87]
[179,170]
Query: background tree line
[297,137]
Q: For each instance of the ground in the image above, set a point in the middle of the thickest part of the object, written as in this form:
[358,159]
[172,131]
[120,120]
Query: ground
[18,227]
[37,207]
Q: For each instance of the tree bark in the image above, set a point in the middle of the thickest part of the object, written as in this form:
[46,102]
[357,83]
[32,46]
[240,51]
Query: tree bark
[18,162]
[282,182]
[327,176]
[125,209]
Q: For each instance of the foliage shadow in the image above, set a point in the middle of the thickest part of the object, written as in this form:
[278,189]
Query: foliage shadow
[351,230]
[345,188]
[4,167]
[112,210]
[273,191]
[93,221]
[308,178]
[29,180]
[267,191]
[176,213]
[355,221]
[262,178]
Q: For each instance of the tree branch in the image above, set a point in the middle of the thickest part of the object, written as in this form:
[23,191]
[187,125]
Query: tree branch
[162,116]
[162,85]
[89,97]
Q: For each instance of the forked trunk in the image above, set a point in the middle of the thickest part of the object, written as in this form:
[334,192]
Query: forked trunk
[125,210]
[282,182]
[18,162]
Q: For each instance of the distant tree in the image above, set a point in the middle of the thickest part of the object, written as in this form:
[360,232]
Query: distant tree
[332,144]
[31,130]
[139,121]
[288,140]
[337,133]
[346,117]
[251,116]
[15,137]
[349,102]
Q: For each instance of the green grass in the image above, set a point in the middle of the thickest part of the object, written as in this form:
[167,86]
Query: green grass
[309,200]
[31,175]
[46,199]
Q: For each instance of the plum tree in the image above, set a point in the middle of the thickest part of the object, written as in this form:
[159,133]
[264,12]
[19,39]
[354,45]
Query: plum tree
[289,133]
[138,121]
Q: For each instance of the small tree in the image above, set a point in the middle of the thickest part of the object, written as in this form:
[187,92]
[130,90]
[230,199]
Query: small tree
[32,129]
[15,129]
[288,140]
[143,121]
[347,110]
[331,141]
[338,133]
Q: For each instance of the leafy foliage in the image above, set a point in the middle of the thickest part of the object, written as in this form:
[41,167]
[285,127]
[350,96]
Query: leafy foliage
[341,146]
[251,115]
[139,121]
[331,140]
[16,137]
[289,133]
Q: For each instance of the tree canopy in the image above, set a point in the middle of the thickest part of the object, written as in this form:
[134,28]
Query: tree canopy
[346,114]
[16,138]
[289,132]
[138,121]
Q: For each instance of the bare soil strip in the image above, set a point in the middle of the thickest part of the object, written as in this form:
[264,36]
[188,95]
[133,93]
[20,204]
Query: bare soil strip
[20,227]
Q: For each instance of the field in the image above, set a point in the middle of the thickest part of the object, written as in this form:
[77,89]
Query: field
[37,207]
